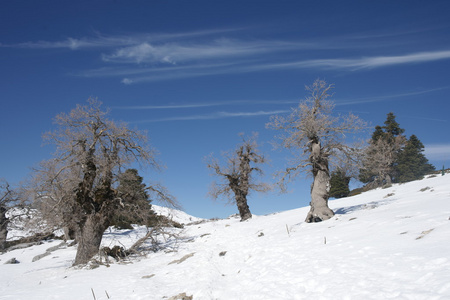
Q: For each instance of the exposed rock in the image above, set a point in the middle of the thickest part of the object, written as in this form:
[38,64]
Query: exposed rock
[181,296]
[39,256]
[424,233]
[49,251]
[179,261]
[11,261]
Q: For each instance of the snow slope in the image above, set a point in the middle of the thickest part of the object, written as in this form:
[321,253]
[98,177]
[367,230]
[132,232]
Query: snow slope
[175,215]
[384,244]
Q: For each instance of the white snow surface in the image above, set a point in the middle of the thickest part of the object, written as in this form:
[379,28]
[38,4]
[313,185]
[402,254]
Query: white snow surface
[175,215]
[384,244]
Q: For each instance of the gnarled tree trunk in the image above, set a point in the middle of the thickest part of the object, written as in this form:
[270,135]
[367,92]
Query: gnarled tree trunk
[90,237]
[241,202]
[321,186]
[3,228]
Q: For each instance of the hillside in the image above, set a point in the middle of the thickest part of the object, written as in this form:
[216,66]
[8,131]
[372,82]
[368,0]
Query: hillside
[175,215]
[384,244]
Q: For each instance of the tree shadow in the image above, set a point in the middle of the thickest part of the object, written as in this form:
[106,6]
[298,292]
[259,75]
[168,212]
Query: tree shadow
[370,205]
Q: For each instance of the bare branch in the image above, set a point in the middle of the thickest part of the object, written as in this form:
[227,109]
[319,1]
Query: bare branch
[318,136]
[77,187]
[236,175]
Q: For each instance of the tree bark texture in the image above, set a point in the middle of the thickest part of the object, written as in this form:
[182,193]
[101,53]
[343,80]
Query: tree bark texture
[3,228]
[91,227]
[319,210]
[241,202]
[242,186]
[90,237]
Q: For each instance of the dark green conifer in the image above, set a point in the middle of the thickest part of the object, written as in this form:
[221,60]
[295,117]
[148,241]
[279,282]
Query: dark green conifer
[391,127]
[378,133]
[134,199]
[339,184]
[411,162]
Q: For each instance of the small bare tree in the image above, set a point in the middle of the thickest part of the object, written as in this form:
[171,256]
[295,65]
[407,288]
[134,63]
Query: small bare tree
[378,160]
[78,183]
[313,129]
[237,175]
[382,153]
[7,197]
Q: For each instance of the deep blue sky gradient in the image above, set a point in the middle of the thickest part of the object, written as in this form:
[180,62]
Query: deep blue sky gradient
[194,74]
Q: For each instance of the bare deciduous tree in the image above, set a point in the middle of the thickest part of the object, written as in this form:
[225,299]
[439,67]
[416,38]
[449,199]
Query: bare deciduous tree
[314,130]
[237,175]
[379,158]
[382,153]
[77,184]
[7,197]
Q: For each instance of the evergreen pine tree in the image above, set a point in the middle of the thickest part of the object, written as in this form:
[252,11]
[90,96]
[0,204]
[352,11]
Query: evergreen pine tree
[411,162]
[378,133]
[135,201]
[391,127]
[339,184]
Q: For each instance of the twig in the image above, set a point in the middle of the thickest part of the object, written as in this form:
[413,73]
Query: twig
[287,229]
[93,294]
[140,241]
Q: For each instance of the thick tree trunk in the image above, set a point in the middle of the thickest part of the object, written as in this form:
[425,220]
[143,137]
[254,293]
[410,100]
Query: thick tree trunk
[320,188]
[90,237]
[69,233]
[3,228]
[319,199]
[387,180]
[244,209]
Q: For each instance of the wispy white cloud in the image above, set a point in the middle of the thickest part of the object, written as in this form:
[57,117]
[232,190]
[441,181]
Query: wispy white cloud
[148,57]
[373,62]
[209,104]
[98,40]
[216,115]
[177,52]
[153,72]
[254,66]
[438,152]
[175,106]
[162,73]
[388,97]
[77,43]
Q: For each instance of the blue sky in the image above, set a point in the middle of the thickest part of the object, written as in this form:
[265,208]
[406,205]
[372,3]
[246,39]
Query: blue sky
[195,74]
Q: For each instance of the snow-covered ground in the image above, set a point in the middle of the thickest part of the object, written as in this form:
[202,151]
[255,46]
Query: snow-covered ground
[384,244]
[175,215]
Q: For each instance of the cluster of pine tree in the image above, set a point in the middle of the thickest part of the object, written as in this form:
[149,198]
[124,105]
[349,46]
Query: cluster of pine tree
[135,200]
[404,158]
[411,162]
[136,204]
[389,158]
[339,183]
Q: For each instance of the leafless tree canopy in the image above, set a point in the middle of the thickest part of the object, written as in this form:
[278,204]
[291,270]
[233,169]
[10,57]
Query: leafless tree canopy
[236,175]
[313,122]
[77,185]
[7,198]
[317,135]
[379,159]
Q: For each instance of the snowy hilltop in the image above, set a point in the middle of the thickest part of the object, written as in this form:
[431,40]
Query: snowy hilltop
[383,244]
[175,215]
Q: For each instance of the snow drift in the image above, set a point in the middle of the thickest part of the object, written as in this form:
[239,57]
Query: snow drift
[383,244]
